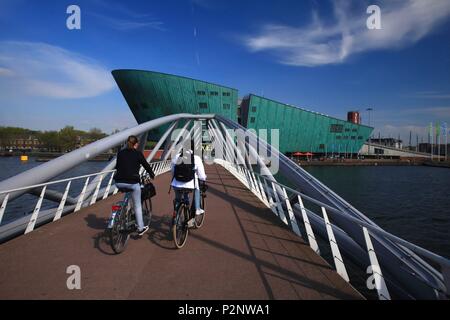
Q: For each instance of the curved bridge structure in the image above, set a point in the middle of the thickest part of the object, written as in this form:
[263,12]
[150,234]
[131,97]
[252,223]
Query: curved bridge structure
[272,230]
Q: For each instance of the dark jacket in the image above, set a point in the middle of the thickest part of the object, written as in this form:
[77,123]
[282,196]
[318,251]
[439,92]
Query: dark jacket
[129,162]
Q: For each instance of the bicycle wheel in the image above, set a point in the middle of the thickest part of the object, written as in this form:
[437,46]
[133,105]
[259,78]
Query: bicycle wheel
[147,211]
[180,228]
[119,233]
[199,219]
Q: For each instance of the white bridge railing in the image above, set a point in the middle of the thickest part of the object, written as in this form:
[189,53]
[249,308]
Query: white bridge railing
[283,201]
[391,265]
[398,267]
[82,200]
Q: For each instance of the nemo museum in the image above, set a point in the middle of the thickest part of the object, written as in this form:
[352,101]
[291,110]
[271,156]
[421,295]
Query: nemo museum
[151,95]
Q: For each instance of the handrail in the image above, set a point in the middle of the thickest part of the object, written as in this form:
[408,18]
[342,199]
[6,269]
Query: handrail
[383,293]
[57,181]
[351,229]
[391,254]
[65,180]
[374,228]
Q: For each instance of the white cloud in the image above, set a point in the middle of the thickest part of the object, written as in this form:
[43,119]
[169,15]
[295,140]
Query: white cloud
[319,43]
[123,17]
[41,69]
[129,24]
[432,95]
[5,72]
[434,112]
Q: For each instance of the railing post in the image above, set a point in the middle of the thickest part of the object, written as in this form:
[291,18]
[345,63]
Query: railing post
[81,197]
[339,263]
[158,168]
[272,204]
[309,232]
[244,177]
[108,187]
[250,182]
[380,284]
[35,214]
[257,191]
[3,207]
[278,204]
[263,192]
[95,195]
[294,224]
[62,203]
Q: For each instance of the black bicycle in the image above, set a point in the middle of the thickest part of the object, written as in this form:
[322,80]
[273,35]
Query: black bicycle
[123,219]
[184,212]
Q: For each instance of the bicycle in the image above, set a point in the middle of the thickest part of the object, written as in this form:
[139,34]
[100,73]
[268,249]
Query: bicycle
[123,220]
[185,212]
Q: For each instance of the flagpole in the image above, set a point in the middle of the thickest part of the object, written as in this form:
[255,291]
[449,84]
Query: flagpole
[438,141]
[430,134]
[444,127]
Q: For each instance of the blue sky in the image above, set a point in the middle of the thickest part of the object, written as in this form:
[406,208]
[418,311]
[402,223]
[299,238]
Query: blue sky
[313,54]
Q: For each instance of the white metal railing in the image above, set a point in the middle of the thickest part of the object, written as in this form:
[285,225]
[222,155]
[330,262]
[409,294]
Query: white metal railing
[286,203]
[275,196]
[159,168]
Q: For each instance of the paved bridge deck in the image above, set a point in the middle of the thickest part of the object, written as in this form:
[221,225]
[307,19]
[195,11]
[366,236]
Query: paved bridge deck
[243,251]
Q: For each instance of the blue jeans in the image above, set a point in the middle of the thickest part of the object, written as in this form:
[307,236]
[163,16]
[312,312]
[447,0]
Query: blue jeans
[136,195]
[196,196]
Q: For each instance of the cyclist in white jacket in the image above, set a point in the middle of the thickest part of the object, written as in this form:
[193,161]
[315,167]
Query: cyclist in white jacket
[194,184]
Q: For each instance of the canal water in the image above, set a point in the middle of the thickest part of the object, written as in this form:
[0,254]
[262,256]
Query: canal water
[412,202]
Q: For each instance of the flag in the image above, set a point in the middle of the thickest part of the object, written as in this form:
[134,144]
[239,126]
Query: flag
[430,129]
[438,130]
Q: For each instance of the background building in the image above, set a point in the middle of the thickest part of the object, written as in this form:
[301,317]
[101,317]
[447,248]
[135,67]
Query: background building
[151,95]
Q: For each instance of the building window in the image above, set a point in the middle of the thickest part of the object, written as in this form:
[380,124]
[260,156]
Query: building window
[338,137]
[203,105]
[336,128]
[345,137]
[252,120]
[322,146]
[354,130]
[360,137]
[353,137]
[213,93]
[253,109]
[226,94]
[201,93]
[347,130]
[226,106]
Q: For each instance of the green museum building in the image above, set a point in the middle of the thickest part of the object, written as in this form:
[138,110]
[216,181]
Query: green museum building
[151,95]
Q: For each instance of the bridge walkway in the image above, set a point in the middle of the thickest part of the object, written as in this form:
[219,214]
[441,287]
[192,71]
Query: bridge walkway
[243,251]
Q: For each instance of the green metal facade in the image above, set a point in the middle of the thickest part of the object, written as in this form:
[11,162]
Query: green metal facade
[303,130]
[151,95]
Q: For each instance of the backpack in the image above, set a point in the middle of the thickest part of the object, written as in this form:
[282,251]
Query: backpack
[184,172]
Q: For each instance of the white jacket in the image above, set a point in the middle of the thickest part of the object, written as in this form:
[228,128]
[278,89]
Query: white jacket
[199,173]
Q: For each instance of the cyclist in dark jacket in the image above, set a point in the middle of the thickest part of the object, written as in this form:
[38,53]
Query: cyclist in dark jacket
[129,161]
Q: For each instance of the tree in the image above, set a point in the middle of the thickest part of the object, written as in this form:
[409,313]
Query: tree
[68,138]
[95,134]
[50,140]
[9,134]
